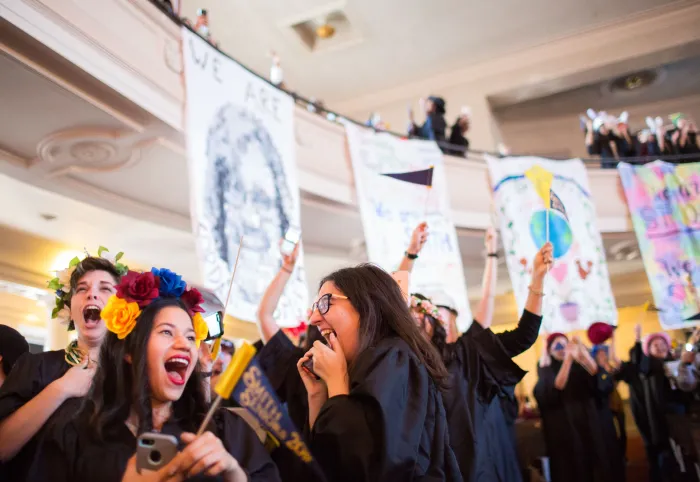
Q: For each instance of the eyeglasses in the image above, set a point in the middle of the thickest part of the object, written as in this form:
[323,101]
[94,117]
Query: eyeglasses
[324,303]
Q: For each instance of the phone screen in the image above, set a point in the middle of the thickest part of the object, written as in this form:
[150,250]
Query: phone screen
[291,239]
[215,325]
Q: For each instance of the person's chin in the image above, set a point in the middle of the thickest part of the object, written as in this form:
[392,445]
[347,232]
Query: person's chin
[94,330]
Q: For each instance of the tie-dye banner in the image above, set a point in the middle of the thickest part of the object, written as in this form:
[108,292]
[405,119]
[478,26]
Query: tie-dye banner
[577,289]
[664,201]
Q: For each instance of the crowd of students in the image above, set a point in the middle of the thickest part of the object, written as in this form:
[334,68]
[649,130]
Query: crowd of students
[381,383]
[610,138]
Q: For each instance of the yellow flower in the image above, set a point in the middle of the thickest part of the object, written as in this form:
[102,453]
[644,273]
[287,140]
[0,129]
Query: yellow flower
[120,316]
[200,328]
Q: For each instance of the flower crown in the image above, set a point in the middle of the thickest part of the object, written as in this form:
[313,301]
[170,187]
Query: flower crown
[425,307]
[138,290]
[61,284]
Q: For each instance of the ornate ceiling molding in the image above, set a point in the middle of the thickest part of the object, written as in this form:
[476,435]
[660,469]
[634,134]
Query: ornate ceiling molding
[88,150]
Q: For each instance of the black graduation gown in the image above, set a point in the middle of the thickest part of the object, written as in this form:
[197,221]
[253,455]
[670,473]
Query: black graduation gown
[651,396]
[278,358]
[579,444]
[481,367]
[69,453]
[30,375]
[390,427]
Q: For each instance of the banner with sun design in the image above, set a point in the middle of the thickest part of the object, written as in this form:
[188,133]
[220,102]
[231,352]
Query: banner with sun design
[577,289]
[664,203]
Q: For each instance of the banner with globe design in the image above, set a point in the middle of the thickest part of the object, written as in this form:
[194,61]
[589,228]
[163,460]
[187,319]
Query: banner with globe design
[664,202]
[577,289]
[242,172]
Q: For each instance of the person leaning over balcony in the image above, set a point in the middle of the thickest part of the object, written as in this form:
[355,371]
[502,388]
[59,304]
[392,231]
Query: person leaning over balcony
[41,383]
[457,136]
[434,126]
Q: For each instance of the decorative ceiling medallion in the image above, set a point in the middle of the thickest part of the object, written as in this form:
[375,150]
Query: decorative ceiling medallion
[87,150]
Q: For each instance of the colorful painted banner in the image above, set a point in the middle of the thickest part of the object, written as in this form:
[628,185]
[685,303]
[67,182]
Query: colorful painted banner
[392,205]
[241,149]
[577,289]
[664,201]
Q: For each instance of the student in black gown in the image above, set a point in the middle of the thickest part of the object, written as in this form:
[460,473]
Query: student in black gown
[376,413]
[12,346]
[581,444]
[278,358]
[148,380]
[41,383]
[481,368]
[652,399]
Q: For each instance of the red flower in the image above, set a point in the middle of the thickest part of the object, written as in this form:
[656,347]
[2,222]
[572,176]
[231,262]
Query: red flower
[193,299]
[297,330]
[141,288]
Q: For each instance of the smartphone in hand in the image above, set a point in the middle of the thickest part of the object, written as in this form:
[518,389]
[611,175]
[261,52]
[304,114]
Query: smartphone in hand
[290,241]
[154,451]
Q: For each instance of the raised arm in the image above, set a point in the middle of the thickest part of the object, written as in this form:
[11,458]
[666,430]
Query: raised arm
[545,357]
[418,239]
[267,325]
[525,334]
[562,377]
[615,362]
[583,357]
[484,313]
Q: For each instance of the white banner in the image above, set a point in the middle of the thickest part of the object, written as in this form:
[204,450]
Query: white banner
[577,288]
[391,209]
[241,148]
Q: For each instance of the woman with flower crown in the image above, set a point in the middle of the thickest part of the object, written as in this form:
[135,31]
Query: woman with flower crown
[41,383]
[148,380]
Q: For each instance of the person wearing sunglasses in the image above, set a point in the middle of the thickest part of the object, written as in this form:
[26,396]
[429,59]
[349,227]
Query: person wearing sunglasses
[578,439]
[375,410]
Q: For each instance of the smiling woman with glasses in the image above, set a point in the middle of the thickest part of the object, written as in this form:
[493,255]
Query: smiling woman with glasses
[375,413]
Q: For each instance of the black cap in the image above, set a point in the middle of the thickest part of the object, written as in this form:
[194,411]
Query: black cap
[202,11]
[439,103]
[12,346]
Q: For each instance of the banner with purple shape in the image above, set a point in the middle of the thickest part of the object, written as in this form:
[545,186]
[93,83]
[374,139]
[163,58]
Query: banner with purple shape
[577,289]
[664,202]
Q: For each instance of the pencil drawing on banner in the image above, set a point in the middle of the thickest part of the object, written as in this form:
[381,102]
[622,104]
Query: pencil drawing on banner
[241,149]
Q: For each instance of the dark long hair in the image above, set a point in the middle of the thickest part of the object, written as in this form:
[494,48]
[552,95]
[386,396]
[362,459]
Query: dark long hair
[439,338]
[119,386]
[383,313]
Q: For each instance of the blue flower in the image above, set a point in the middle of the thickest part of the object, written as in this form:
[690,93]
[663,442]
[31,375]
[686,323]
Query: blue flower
[171,283]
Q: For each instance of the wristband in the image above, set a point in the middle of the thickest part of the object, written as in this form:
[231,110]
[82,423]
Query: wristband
[410,256]
[286,269]
[534,291]
[493,255]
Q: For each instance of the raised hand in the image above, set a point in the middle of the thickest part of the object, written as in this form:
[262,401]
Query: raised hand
[491,240]
[418,238]
[289,260]
[543,262]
